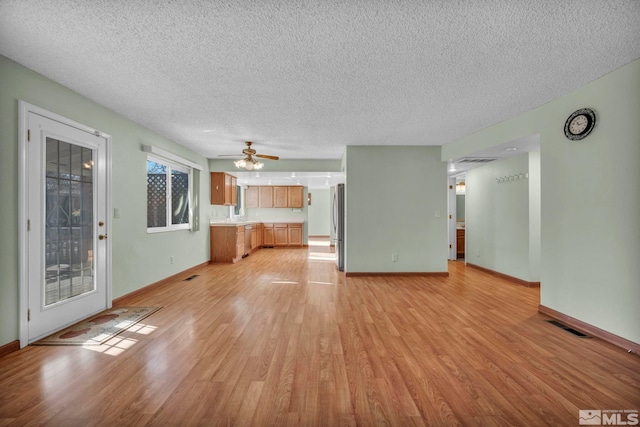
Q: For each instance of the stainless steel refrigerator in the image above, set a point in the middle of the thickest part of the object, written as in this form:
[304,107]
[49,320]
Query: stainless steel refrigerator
[338,224]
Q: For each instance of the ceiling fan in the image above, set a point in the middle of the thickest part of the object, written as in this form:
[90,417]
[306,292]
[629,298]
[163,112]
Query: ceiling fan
[249,162]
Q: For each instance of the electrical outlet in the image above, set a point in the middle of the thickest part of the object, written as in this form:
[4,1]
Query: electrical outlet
[171,259]
[478,252]
[394,257]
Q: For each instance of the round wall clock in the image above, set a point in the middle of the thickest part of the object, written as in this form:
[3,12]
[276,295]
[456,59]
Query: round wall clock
[580,124]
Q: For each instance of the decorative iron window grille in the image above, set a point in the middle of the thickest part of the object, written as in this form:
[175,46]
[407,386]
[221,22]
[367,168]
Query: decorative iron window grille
[168,196]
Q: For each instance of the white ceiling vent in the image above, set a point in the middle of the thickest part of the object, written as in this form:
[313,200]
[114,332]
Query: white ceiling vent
[476,160]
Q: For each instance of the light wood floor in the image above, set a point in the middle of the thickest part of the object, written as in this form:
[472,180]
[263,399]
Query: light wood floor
[282,338]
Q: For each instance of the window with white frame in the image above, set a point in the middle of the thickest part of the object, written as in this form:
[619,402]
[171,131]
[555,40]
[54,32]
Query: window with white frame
[169,187]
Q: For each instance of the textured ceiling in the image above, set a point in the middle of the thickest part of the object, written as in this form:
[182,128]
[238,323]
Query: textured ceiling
[304,79]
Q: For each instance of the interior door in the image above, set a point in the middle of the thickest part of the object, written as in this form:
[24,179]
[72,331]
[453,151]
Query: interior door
[66,237]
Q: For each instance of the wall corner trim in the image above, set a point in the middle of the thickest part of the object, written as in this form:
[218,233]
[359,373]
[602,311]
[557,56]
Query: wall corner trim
[616,340]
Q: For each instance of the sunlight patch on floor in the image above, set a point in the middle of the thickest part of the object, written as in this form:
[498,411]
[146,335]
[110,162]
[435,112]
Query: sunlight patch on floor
[322,256]
[325,243]
[114,347]
[312,282]
[141,328]
[283,282]
[120,343]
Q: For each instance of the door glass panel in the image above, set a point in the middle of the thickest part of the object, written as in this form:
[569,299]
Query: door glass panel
[68,222]
[52,157]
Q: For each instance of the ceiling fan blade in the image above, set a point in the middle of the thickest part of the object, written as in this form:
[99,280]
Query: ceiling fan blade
[230,155]
[264,156]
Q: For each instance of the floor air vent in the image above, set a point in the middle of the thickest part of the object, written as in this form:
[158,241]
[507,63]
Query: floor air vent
[190,277]
[568,329]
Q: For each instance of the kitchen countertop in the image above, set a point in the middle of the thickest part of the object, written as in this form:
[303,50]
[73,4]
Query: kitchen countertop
[234,223]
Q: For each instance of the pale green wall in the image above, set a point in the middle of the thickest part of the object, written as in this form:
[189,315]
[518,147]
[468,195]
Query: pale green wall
[320,212]
[392,196]
[534,217]
[590,202]
[460,208]
[138,258]
[497,225]
[591,207]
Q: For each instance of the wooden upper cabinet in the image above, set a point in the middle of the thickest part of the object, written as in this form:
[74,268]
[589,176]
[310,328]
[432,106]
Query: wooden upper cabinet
[278,196]
[227,190]
[223,189]
[234,191]
[252,197]
[281,197]
[295,197]
[266,197]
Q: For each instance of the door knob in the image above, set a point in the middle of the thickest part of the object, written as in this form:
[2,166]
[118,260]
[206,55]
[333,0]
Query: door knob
[102,236]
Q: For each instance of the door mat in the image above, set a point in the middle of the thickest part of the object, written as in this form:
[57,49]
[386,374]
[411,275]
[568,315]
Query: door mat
[99,328]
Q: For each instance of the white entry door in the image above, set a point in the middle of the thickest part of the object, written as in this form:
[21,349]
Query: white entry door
[66,238]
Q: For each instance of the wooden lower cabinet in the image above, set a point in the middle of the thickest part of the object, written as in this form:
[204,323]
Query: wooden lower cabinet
[240,244]
[229,243]
[226,243]
[254,237]
[294,234]
[460,243]
[259,235]
[281,234]
[267,235]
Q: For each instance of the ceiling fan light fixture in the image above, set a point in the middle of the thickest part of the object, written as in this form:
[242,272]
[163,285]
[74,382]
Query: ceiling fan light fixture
[248,164]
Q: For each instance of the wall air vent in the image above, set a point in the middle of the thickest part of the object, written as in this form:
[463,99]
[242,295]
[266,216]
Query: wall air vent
[476,160]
